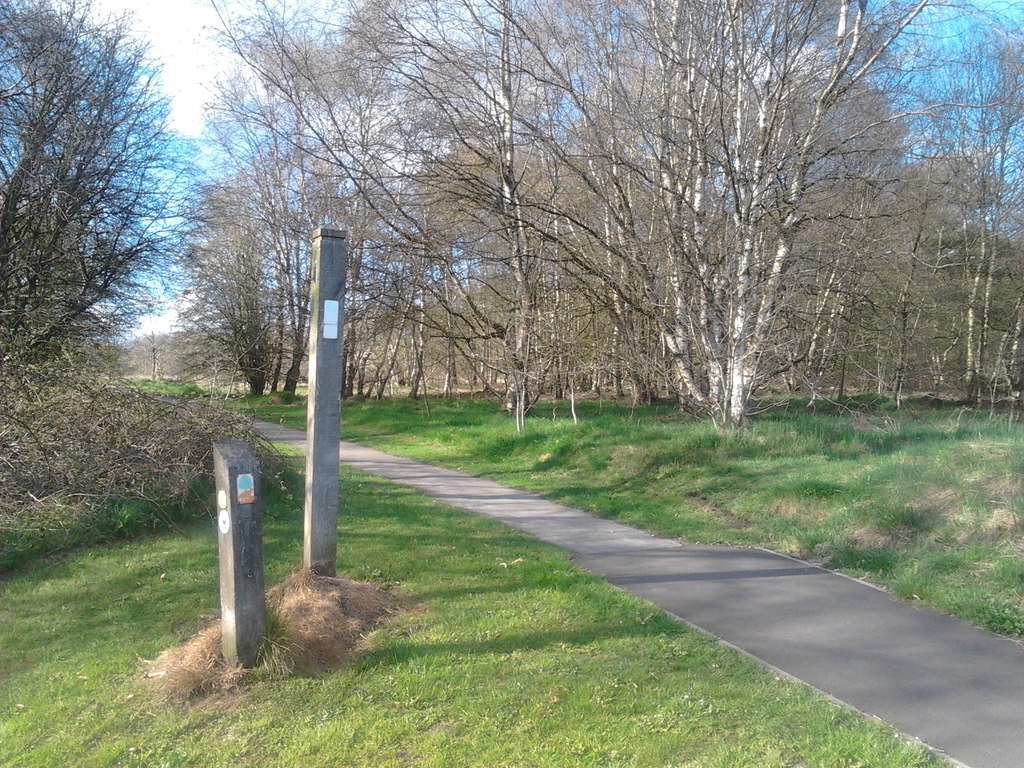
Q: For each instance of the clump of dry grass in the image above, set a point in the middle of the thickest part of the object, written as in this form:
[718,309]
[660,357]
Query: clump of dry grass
[317,624]
[325,618]
[197,668]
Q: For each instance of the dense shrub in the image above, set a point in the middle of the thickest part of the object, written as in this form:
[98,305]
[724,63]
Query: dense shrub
[84,459]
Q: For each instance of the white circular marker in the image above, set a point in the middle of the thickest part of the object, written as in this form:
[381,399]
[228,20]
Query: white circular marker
[223,520]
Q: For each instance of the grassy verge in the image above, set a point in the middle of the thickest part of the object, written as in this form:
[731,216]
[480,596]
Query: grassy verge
[925,501]
[508,656]
[47,530]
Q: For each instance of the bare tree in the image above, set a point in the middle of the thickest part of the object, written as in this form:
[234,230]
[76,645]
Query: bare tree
[979,139]
[282,197]
[738,112]
[230,296]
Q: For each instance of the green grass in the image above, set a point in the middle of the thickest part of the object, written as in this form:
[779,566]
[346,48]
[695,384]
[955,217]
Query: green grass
[507,655]
[59,527]
[170,388]
[926,501]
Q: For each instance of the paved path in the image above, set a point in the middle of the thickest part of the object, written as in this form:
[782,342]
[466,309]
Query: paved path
[958,689]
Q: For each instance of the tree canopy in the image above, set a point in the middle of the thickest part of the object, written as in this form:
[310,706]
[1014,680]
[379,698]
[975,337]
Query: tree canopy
[85,177]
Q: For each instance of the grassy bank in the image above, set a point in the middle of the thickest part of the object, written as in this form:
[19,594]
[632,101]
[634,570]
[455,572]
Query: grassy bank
[926,500]
[506,655]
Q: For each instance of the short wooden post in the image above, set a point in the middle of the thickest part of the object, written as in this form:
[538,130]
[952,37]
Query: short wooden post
[323,414]
[243,606]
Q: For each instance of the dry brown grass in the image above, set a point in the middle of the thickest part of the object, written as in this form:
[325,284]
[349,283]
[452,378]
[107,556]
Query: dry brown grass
[197,668]
[325,618]
[317,624]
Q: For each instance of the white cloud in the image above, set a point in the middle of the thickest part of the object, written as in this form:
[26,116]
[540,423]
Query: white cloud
[161,322]
[181,39]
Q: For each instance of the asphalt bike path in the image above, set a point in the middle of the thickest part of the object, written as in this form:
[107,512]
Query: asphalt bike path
[958,689]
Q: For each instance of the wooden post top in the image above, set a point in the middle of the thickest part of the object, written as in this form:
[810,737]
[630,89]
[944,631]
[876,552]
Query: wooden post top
[339,234]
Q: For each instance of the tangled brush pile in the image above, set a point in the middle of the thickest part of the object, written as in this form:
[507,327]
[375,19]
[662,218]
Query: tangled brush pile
[86,459]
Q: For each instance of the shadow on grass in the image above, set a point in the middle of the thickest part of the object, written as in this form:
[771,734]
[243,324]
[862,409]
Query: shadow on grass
[504,644]
[134,594]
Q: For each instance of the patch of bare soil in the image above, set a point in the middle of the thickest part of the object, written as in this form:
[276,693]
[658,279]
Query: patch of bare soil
[316,624]
[703,504]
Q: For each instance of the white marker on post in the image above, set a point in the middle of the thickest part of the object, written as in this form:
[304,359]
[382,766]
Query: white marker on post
[331,311]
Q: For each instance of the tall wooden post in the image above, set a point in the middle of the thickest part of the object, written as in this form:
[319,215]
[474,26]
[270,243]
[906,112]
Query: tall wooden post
[323,414]
[243,606]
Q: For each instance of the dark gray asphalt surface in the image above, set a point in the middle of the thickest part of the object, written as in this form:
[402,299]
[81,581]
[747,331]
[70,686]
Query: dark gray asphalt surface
[958,689]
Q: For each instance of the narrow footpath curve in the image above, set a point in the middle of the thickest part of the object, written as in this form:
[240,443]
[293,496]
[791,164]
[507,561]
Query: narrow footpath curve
[958,689]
